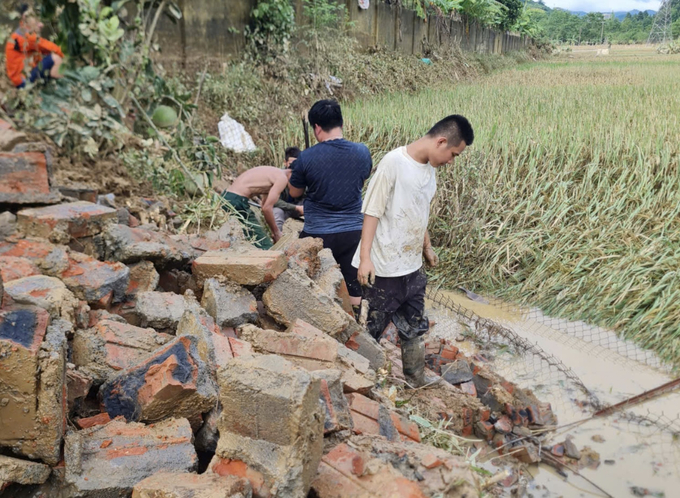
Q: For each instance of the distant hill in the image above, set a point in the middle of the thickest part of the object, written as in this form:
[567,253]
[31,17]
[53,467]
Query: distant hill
[620,15]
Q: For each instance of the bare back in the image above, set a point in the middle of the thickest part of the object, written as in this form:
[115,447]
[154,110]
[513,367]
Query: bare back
[257,181]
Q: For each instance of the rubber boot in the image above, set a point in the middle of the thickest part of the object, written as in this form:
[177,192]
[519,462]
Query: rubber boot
[413,361]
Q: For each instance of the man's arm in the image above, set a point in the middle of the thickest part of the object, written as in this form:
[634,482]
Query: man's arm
[268,206]
[47,47]
[366,271]
[431,257]
[294,191]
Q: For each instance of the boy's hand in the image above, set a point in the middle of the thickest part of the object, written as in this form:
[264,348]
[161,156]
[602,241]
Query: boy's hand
[366,273]
[300,210]
[277,235]
[431,257]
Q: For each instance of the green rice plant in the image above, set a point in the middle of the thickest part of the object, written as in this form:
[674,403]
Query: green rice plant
[568,199]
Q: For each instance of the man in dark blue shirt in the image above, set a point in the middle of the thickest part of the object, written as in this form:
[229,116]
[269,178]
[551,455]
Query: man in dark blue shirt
[333,172]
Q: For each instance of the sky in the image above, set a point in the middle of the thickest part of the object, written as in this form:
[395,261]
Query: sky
[604,5]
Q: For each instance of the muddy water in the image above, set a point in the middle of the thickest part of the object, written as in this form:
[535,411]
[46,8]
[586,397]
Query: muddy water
[636,455]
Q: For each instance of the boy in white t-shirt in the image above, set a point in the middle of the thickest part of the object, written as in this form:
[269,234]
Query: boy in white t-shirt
[394,237]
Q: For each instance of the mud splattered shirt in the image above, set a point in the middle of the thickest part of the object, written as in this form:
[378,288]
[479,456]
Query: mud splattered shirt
[399,195]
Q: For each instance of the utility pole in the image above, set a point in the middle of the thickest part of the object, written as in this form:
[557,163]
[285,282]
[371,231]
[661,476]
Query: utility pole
[661,29]
[602,35]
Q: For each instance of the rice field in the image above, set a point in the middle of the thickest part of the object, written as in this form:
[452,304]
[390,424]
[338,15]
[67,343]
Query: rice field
[569,198]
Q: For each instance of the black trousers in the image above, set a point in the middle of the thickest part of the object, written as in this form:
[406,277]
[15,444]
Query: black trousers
[343,245]
[400,300]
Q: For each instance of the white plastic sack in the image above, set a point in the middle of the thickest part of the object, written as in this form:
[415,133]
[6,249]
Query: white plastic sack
[234,136]
[364,4]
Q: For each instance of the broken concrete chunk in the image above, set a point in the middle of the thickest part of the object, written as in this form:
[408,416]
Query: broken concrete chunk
[171,382]
[197,323]
[22,471]
[251,267]
[46,292]
[365,345]
[109,460]
[32,391]
[111,346]
[294,295]
[131,245]
[271,427]
[76,219]
[51,259]
[25,178]
[160,310]
[186,485]
[229,305]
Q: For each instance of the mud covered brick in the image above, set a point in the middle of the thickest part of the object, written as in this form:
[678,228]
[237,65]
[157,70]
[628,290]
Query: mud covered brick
[107,461]
[76,219]
[25,178]
[131,245]
[21,471]
[143,278]
[304,254]
[33,382]
[99,283]
[295,296]
[330,280]
[249,267]
[230,305]
[45,292]
[271,427]
[173,381]
[78,385]
[12,268]
[50,259]
[370,417]
[110,346]
[160,310]
[337,416]
[188,485]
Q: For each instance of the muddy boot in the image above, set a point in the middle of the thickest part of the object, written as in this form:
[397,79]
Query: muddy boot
[413,361]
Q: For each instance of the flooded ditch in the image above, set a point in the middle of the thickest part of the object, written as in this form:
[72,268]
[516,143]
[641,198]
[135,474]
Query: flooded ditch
[578,368]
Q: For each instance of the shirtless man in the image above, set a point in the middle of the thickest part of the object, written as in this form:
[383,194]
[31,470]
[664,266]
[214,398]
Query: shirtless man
[265,181]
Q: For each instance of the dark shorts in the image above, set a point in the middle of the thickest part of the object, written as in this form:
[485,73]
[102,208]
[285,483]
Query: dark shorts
[400,300]
[42,70]
[239,206]
[343,245]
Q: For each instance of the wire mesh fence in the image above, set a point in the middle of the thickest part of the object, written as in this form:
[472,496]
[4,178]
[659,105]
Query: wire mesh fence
[511,333]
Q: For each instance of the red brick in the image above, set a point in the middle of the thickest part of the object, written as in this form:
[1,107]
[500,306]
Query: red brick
[25,178]
[227,467]
[484,430]
[4,125]
[513,413]
[558,450]
[363,405]
[77,219]
[148,391]
[369,409]
[78,384]
[466,414]
[143,278]
[469,388]
[503,425]
[346,460]
[508,386]
[449,352]
[430,461]
[99,419]
[405,427]
[13,268]
[484,414]
[94,281]
[304,253]
[239,347]
[244,268]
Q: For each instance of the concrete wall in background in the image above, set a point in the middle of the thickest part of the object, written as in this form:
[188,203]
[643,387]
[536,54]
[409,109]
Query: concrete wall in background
[213,29]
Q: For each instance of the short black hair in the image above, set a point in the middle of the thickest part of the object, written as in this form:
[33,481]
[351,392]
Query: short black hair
[292,152]
[326,114]
[455,129]
[23,8]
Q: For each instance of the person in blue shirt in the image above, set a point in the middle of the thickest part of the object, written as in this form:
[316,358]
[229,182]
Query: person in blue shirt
[333,173]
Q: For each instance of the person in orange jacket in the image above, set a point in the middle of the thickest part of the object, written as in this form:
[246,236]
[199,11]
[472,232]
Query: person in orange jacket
[26,46]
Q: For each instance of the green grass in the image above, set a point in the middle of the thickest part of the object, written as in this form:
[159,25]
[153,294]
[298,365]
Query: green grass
[569,198]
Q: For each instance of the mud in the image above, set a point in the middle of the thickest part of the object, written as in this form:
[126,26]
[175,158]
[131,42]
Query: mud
[645,457]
